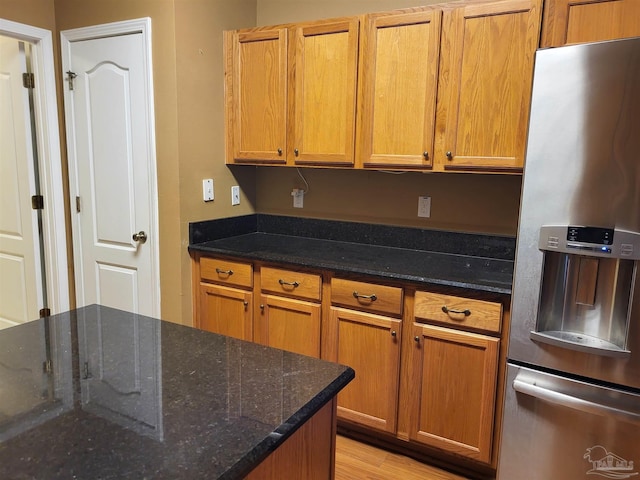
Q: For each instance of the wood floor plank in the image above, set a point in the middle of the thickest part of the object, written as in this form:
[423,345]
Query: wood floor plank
[359,461]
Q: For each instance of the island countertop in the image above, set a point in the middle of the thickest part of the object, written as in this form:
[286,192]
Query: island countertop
[102,393]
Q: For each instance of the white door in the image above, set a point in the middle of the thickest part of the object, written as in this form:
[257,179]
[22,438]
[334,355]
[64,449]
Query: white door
[20,273]
[109,114]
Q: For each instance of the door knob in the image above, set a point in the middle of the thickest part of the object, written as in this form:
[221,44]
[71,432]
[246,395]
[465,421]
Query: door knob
[140,237]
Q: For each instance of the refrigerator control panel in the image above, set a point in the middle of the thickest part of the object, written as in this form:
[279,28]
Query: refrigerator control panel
[593,241]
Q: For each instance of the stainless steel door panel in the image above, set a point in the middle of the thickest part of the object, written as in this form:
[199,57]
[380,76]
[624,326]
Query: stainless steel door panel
[581,168]
[556,428]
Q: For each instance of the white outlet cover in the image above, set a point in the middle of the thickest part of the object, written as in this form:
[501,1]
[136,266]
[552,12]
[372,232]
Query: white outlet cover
[424,206]
[235,195]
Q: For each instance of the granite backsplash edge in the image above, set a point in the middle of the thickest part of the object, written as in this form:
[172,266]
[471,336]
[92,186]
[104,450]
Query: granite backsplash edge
[456,243]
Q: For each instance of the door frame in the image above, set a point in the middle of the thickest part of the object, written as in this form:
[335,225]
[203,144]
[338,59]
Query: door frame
[136,26]
[49,160]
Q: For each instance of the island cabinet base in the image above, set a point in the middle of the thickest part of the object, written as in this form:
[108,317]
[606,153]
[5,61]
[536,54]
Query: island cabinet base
[309,453]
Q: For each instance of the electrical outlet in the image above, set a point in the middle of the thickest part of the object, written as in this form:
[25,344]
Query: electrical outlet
[207,190]
[424,206]
[235,195]
[298,197]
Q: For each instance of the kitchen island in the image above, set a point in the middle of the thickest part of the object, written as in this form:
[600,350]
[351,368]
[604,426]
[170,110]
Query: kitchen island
[102,393]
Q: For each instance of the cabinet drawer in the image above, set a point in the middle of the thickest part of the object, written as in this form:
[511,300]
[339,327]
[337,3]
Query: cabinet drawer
[370,297]
[476,314]
[292,283]
[226,272]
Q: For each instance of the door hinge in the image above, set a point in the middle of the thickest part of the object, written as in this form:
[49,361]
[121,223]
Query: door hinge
[45,312]
[28,80]
[78,204]
[47,367]
[37,202]
[70,76]
[86,372]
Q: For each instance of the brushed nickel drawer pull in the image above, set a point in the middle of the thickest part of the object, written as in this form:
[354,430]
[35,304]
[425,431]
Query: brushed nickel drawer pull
[465,312]
[219,271]
[373,297]
[291,284]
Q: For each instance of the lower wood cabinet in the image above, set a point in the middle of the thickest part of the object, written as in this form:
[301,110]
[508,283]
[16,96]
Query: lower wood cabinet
[226,311]
[428,363]
[453,378]
[370,344]
[289,324]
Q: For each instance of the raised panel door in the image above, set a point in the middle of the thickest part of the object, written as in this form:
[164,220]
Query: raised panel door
[570,21]
[256,96]
[370,344]
[324,70]
[289,324]
[453,404]
[226,311]
[486,71]
[399,69]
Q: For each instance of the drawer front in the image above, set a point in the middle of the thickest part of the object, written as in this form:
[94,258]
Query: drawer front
[450,310]
[370,297]
[291,283]
[226,272]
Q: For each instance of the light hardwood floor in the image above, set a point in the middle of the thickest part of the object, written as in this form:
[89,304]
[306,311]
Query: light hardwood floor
[359,461]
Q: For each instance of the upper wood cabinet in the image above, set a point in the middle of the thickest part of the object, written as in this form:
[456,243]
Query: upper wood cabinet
[486,71]
[399,69]
[256,95]
[290,93]
[445,87]
[324,72]
[570,21]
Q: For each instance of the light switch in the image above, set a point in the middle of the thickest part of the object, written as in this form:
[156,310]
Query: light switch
[207,189]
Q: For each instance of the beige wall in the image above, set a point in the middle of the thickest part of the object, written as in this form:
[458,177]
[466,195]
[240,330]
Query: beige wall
[200,79]
[460,202]
[37,13]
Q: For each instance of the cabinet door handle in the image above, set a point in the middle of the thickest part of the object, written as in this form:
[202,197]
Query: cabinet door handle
[425,155]
[393,333]
[417,339]
[291,284]
[373,297]
[219,271]
[261,307]
[245,303]
[279,152]
[450,155]
[296,152]
[465,312]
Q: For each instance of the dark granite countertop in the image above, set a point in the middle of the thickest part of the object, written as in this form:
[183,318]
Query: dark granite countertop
[131,397]
[426,257]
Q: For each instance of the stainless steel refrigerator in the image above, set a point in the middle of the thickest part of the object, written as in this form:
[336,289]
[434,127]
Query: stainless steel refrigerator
[572,406]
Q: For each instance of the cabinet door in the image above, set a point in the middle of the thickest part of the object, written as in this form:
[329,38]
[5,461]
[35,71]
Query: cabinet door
[454,375]
[289,324]
[399,68]
[324,97]
[256,98]
[485,78]
[370,344]
[570,21]
[226,311]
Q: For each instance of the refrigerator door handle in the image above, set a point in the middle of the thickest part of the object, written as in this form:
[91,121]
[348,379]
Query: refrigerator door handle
[574,402]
